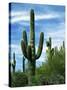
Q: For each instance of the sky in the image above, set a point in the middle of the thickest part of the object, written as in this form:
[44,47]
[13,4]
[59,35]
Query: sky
[49,19]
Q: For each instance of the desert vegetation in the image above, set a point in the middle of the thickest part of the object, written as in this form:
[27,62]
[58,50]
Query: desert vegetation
[52,71]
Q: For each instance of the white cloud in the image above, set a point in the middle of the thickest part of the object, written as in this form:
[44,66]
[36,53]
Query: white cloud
[57,43]
[57,37]
[24,23]
[17,49]
[57,31]
[25,16]
[45,16]
[18,13]
[20,18]
[57,34]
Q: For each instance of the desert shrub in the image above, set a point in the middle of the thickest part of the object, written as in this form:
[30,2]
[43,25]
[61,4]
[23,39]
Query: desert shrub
[19,79]
[53,70]
[36,80]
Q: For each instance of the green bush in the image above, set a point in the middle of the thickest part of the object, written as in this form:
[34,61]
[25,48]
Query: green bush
[19,79]
[52,70]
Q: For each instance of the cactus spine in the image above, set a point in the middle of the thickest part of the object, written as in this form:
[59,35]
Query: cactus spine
[14,63]
[23,64]
[29,49]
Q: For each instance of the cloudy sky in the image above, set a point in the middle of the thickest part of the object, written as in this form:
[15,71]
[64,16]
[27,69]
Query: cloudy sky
[49,19]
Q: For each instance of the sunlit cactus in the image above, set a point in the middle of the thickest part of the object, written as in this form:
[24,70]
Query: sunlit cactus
[28,49]
[14,63]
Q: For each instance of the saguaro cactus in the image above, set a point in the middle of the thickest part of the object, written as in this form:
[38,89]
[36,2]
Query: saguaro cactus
[50,49]
[23,64]
[9,70]
[28,49]
[14,63]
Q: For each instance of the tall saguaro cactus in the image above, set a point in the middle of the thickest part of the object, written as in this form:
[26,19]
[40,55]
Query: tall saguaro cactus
[28,49]
[14,63]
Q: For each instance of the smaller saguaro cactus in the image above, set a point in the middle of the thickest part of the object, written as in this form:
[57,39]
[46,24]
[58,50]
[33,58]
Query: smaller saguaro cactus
[63,47]
[50,49]
[63,44]
[23,64]
[9,72]
[14,63]
[55,50]
[48,43]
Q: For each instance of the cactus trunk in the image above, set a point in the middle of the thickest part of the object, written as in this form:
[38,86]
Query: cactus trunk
[14,63]
[23,64]
[13,69]
[29,49]
[31,71]
[32,35]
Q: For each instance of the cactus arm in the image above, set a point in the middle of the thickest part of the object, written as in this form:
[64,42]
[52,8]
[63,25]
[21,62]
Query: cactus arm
[25,38]
[40,47]
[23,47]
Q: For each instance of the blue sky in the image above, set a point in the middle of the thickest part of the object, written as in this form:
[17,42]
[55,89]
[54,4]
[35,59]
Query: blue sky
[49,19]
